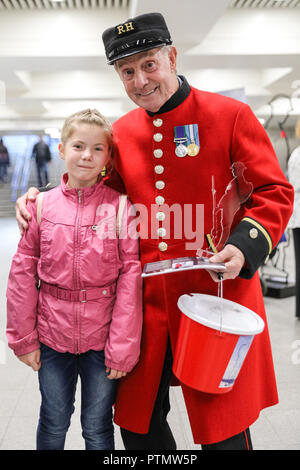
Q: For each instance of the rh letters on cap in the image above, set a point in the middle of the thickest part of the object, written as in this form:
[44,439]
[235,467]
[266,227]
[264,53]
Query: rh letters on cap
[125,28]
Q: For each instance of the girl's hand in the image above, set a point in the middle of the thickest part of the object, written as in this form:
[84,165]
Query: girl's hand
[32,359]
[115,374]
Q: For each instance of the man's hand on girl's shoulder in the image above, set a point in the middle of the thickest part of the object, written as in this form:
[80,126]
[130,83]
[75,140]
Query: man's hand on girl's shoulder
[22,215]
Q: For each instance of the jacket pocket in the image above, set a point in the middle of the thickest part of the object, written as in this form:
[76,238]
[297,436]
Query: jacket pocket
[110,250]
[44,328]
[105,249]
[109,259]
[56,321]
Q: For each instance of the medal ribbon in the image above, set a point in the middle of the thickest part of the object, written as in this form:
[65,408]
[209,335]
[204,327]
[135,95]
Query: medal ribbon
[180,135]
[196,135]
[191,132]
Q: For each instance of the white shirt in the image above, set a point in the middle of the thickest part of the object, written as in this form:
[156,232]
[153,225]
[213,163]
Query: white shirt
[294,179]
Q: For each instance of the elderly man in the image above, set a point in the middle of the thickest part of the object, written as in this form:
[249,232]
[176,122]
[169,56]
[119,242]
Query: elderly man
[186,148]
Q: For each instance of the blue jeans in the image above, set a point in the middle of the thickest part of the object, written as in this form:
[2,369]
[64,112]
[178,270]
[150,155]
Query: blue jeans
[58,378]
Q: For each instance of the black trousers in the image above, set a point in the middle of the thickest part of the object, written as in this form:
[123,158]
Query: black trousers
[160,437]
[296,236]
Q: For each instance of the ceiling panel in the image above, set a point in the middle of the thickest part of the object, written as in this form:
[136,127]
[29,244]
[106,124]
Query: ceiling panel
[65,4]
[52,57]
[239,4]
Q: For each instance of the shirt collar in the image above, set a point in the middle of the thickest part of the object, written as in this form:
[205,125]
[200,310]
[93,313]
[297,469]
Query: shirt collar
[179,96]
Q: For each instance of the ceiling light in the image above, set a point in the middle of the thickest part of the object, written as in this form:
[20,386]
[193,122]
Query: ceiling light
[52,132]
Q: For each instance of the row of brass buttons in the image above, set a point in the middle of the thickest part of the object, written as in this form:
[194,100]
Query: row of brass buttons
[159,184]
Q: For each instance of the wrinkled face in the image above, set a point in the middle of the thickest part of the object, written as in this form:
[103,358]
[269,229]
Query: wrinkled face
[85,152]
[149,77]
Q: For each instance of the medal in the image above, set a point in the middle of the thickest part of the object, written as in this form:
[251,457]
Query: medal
[187,140]
[181,150]
[192,148]
[180,138]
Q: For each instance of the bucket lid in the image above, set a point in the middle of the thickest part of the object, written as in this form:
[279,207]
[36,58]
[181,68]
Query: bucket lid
[206,309]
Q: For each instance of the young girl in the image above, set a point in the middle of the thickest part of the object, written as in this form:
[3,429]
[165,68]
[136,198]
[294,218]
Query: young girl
[85,319]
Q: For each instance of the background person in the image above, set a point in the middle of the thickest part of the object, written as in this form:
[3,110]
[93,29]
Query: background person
[4,162]
[42,155]
[294,223]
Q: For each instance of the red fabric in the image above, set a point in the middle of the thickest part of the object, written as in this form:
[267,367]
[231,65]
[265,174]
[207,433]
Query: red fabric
[228,132]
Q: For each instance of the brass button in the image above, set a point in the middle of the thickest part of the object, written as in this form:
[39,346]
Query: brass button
[158,122]
[160,216]
[158,137]
[162,246]
[160,184]
[253,233]
[159,169]
[160,200]
[158,153]
[161,232]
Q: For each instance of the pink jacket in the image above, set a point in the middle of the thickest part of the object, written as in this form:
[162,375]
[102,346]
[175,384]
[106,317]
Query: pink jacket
[91,286]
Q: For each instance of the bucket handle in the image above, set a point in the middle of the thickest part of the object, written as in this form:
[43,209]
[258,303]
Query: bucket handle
[220,295]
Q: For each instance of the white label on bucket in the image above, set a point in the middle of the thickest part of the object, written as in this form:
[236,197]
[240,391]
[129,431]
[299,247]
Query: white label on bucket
[234,366]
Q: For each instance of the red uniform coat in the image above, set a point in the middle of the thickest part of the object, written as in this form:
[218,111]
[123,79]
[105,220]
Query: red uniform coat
[228,133]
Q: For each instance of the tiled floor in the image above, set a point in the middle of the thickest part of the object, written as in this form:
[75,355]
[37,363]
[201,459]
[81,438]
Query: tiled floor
[277,428]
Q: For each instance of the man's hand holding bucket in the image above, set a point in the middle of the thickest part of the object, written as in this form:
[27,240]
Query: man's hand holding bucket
[234,261]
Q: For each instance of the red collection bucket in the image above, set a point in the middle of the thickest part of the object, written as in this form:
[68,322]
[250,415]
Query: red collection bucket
[214,338]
